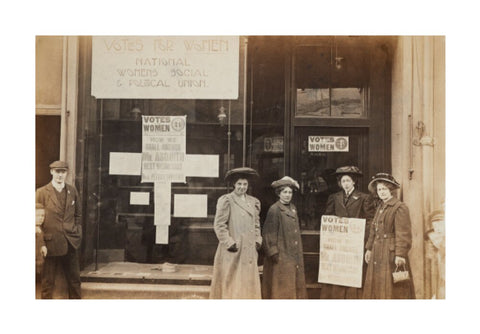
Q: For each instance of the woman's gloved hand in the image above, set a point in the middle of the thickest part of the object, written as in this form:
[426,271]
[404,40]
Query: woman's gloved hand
[233,248]
[368,256]
[400,261]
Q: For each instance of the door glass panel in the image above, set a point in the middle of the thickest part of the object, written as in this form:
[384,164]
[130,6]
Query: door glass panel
[347,102]
[313,102]
[315,170]
[331,82]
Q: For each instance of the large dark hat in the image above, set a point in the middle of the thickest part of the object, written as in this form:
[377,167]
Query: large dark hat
[285,181]
[349,170]
[382,177]
[59,165]
[243,172]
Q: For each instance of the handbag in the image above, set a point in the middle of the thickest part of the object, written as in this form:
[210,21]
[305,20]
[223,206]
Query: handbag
[400,275]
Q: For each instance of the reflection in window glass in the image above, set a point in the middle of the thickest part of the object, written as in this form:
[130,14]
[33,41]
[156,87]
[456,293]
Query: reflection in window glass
[313,102]
[347,102]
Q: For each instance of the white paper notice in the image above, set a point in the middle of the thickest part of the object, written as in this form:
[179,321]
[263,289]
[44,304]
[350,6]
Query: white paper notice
[139,198]
[162,203]
[190,206]
[161,234]
[125,163]
[201,165]
[327,144]
[341,251]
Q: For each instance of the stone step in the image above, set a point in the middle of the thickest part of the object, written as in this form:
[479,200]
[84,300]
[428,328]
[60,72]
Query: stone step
[100,290]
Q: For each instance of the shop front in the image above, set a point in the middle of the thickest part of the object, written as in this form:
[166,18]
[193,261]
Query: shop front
[302,106]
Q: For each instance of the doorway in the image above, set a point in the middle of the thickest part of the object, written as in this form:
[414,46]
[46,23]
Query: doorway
[319,151]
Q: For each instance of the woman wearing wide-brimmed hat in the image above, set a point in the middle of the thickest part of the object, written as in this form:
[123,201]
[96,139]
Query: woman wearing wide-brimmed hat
[351,203]
[283,268]
[237,226]
[388,244]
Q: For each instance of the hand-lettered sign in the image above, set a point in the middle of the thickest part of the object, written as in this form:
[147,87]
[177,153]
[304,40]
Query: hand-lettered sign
[165,67]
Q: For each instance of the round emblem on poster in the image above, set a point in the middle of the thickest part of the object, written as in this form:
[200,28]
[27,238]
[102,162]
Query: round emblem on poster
[341,144]
[178,124]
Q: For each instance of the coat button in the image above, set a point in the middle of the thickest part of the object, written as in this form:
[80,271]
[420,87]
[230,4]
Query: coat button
[296,242]
[385,236]
[295,230]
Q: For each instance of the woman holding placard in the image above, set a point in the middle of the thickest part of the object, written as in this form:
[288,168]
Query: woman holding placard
[390,239]
[350,203]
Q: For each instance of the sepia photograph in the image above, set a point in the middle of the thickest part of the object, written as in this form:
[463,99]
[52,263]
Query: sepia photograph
[195,173]
[240,167]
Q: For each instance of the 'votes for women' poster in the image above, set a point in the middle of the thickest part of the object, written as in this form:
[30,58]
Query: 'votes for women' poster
[163,148]
[341,251]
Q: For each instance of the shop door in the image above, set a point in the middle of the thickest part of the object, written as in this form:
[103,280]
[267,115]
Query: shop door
[318,153]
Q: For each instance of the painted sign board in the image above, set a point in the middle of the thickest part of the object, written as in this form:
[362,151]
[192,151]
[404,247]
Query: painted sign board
[165,67]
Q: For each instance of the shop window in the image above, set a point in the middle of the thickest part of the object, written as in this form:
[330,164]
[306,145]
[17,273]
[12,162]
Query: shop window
[206,134]
[331,82]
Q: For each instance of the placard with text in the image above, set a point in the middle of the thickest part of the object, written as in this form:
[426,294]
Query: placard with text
[341,251]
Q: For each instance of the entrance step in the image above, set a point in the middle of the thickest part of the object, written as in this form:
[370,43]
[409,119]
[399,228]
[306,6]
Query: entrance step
[96,290]
[129,280]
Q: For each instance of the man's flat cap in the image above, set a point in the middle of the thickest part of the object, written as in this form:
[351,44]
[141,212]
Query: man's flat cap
[59,165]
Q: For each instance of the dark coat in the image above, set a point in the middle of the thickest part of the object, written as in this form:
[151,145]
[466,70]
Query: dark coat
[236,275]
[390,236]
[281,235]
[61,225]
[359,205]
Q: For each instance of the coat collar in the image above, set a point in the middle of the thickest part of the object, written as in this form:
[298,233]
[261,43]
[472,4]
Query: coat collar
[355,195]
[288,210]
[53,195]
[247,205]
[392,201]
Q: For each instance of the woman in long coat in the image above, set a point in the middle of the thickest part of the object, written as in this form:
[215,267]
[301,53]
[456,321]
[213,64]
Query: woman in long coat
[388,244]
[283,268]
[351,203]
[237,226]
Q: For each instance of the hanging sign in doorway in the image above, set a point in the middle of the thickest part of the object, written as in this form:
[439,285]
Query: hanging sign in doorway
[327,144]
[165,67]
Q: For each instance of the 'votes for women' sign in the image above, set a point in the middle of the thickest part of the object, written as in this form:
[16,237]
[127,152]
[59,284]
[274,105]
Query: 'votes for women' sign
[163,148]
[165,67]
[341,251]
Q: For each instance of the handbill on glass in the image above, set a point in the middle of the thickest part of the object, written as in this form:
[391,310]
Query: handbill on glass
[341,251]
[163,148]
